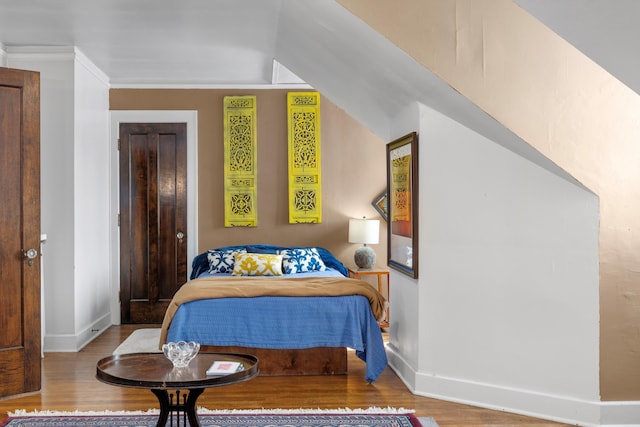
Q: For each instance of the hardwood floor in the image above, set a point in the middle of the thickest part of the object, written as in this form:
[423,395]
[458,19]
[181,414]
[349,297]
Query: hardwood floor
[69,384]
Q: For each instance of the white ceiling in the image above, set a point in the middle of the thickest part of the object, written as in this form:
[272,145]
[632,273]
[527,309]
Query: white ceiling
[154,41]
[158,43]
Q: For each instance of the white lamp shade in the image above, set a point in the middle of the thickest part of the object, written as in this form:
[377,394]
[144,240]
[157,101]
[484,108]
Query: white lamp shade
[364,231]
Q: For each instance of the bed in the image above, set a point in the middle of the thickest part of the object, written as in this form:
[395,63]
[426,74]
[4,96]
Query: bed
[293,307]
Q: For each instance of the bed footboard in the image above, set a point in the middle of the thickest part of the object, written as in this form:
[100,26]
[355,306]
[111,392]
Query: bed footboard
[307,361]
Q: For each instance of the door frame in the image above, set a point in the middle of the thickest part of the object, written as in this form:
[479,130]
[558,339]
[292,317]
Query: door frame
[190,117]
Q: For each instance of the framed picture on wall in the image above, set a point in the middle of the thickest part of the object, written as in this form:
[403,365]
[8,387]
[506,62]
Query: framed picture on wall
[402,203]
[380,205]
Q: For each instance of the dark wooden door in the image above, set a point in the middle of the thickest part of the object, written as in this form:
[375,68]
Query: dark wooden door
[20,337]
[153,218]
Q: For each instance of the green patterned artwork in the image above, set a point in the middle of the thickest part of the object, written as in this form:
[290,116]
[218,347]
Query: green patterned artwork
[240,162]
[305,185]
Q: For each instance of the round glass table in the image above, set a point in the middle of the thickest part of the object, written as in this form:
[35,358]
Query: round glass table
[153,371]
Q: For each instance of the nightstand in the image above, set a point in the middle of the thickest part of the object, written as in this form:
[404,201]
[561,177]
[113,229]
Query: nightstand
[355,273]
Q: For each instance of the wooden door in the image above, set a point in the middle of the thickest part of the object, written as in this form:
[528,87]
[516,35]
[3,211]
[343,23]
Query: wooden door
[20,339]
[153,218]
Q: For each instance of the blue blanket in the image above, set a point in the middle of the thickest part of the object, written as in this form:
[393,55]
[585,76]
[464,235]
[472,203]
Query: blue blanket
[285,322]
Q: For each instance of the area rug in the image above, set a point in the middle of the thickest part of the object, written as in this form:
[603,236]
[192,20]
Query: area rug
[371,417]
[140,341]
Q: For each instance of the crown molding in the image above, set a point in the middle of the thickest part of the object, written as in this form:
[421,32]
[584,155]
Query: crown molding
[41,53]
[82,59]
[53,54]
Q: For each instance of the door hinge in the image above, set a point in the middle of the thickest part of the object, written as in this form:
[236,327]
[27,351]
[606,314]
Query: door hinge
[118,144]
[118,220]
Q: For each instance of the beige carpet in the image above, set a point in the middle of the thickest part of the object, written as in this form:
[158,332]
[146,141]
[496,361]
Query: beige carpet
[140,341]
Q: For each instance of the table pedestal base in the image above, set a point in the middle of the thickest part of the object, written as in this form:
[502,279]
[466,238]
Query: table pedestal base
[185,406]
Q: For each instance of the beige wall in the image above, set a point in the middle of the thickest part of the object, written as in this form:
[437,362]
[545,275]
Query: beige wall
[564,105]
[353,166]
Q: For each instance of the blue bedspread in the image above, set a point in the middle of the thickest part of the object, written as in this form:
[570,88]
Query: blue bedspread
[276,322]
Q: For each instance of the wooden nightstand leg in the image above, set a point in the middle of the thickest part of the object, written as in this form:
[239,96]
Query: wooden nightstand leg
[387,320]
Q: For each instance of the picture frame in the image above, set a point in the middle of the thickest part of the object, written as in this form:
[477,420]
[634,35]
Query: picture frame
[380,203]
[402,193]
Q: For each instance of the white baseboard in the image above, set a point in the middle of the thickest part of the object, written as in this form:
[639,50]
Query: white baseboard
[70,343]
[618,413]
[523,402]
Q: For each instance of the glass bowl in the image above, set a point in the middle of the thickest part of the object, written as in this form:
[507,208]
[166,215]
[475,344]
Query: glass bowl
[180,353]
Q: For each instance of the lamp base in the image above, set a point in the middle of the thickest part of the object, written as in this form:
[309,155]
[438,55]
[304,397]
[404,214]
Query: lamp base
[365,258]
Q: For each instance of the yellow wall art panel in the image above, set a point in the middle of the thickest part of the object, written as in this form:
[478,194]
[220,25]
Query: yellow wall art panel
[240,158]
[305,183]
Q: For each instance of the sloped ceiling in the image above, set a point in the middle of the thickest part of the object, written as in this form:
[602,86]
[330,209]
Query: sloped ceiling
[199,43]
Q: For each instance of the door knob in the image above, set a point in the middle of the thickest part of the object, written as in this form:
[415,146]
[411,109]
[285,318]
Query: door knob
[180,235]
[30,254]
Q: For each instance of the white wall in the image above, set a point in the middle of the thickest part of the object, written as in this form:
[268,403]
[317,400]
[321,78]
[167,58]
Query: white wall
[91,200]
[508,290]
[69,286]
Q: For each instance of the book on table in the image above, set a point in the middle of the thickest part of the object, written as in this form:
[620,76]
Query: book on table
[224,367]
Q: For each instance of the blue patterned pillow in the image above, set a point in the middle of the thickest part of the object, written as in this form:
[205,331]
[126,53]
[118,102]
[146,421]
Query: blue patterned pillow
[221,262]
[301,260]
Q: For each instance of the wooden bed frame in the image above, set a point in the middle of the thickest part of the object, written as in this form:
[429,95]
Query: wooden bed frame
[307,361]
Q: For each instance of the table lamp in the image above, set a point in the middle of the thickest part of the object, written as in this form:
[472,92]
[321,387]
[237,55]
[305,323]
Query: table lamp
[364,231]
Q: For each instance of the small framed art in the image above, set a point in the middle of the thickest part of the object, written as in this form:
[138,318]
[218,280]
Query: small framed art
[380,205]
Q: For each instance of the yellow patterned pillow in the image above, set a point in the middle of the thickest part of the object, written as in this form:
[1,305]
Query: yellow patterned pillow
[257,265]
